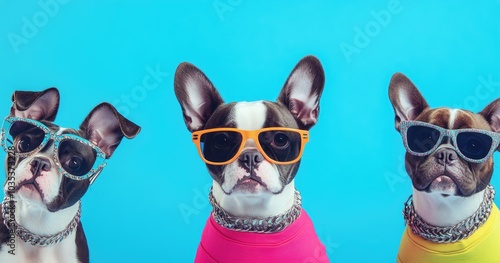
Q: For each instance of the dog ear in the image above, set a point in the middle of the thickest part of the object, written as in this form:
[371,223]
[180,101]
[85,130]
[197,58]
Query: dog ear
[41,105]
[105,128]
[407,101]
[492,114]
[196,94]
[302,91]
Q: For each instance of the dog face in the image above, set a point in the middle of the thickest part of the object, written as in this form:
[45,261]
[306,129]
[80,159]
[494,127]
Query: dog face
[297,107]
[445,170]
[39,176]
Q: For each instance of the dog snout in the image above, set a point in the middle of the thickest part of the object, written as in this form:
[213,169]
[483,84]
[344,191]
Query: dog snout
[251,159]
[445,156]
[39,164]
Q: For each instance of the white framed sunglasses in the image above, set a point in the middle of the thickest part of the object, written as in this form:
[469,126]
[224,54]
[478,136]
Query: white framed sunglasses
[473,145]
[75,157]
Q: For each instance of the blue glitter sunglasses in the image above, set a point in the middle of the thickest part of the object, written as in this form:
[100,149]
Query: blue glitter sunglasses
[25,137]
[473,145]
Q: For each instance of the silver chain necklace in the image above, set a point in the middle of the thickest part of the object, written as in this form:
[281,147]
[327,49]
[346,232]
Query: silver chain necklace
[270,224]
[34,239]
[453,233]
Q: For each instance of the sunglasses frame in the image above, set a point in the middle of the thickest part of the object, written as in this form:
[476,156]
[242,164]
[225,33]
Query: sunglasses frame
[405,125]
[250,134]
[99,163]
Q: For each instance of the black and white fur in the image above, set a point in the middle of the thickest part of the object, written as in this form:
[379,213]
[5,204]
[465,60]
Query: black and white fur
[47,201]
[251,186]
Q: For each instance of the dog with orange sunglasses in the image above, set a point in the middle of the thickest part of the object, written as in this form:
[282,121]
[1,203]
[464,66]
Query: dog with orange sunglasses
[252,151]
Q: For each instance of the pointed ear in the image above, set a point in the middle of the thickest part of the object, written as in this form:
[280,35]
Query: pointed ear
[407,101]
[196,94]
[35,105]
[492,114]
[105,128]
[302,91]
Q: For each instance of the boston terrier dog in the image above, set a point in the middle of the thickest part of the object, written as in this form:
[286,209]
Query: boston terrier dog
[252,151]
[451,216]
[49,168]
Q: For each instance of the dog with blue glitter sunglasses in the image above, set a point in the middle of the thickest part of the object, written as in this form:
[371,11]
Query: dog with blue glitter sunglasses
[49,168]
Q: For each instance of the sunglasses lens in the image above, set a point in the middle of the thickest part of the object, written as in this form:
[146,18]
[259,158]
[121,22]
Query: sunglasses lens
[281,146]
[422,139]
[220,146]
[76,158]
[24,137]
[474,145]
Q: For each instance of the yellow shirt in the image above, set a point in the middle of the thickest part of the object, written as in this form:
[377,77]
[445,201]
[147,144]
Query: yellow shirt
[483,246]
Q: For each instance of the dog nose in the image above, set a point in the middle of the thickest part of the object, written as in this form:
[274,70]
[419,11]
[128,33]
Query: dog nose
[445,156]
[39,164]
[251,159]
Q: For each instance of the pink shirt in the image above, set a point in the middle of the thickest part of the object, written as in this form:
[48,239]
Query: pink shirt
[297,243]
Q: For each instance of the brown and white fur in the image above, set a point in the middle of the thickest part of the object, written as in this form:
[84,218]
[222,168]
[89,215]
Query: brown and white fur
[446,188]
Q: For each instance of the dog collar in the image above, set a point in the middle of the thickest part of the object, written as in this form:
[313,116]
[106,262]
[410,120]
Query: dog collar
[270,224]
[34,239]
[453,233]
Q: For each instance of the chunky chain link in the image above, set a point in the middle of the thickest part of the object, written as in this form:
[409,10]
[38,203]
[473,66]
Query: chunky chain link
[453,233]
[34,239]
[270,224]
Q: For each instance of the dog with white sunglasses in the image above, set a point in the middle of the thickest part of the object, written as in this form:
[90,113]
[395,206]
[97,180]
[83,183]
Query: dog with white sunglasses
[451,216]
[252,151]
[49,168]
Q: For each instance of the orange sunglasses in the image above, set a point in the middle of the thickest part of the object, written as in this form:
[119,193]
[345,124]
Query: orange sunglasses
[279,145]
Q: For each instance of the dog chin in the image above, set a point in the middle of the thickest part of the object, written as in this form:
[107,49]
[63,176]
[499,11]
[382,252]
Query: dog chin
[259,181]
[249,187]
[443,185]
[30,195]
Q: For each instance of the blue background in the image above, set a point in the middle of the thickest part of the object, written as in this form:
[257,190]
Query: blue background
[352,177]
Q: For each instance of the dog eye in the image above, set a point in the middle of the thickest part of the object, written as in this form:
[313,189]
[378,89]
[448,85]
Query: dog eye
[221,141]
[280,140]
[473,145]
[74,163]
[24,144]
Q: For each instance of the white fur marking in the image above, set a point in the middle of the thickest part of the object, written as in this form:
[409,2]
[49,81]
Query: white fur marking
[437,210]
[260,205]
[266,171]
[61,130]
[250,115]
[453,116]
